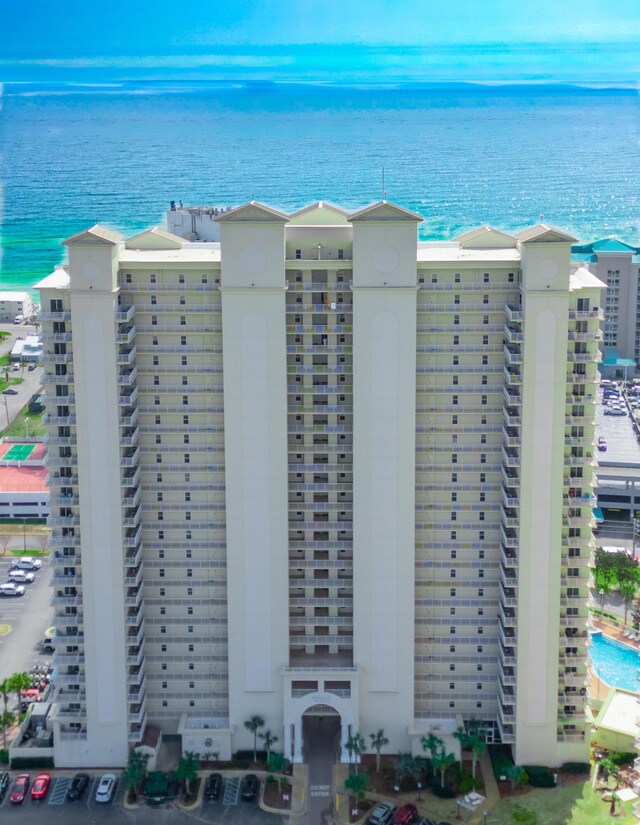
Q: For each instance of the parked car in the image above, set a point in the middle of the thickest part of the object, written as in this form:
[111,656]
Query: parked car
[15,367]
[40,786]
[26,563]
[105,788]
[31,367]
[250,787]
[19,788]
[11,589]
[4,784]
[21,576]
[10,391]
[608,411]
[406,815]
[18,319]
[78,786]
[602,444]
[213,787]
[382,814]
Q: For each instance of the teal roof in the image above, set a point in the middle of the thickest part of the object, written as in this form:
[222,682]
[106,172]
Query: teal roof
[603,245]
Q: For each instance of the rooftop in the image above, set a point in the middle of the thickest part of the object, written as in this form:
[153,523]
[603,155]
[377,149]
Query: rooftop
[23,479]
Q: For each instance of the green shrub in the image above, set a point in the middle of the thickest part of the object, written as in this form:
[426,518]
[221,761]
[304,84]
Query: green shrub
[623,758]
[442,793]
[248,756]
[501,762]
[4,757]
[43,762]
[468,783]
[576,767]
[540,776]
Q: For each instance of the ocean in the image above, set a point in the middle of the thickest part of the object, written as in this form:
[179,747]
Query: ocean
[460,154]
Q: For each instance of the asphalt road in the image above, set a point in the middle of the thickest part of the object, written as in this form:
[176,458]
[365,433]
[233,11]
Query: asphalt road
[11,405]
[57,811]
[29,617]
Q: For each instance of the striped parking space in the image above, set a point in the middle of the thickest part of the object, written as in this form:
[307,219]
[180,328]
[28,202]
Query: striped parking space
[59,792]
[231,791]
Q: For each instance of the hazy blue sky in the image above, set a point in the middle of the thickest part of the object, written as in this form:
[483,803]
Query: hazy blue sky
[242,34]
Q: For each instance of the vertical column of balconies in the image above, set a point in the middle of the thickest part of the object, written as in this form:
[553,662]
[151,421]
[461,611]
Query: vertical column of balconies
[64,520]
[510,519]
[132,529]
[319,364]
[577,519]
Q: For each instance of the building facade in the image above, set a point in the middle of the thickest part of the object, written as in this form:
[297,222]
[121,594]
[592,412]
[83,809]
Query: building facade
[14,304]
[319,467]
[616,264]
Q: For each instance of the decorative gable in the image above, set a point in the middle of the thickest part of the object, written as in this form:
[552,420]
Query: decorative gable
[385,211]
[253,212]
[486,237]
[320,213]
[542,233]
[155,238]
[95,235]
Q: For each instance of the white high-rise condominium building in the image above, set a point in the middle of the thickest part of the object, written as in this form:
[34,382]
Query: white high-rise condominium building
[319,467]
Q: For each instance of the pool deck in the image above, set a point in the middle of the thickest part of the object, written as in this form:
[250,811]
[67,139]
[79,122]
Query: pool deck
[598,689]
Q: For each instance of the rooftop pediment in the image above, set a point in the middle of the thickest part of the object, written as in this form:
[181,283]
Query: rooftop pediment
[385,211]
[486,237]
[543,233]
[253,212]
[320,213]
[95,235]
[155,238]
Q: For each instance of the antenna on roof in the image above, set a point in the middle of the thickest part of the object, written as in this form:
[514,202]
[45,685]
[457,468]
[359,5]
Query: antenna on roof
[382,189]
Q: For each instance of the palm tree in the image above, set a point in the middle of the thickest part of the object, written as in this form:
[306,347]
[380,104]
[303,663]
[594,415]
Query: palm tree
[628,590]
[269,741]
[378,741]
[253,724]
[278,764]
[357,783]
[7,720]
[515,774]
[441,761]
[188,767]
[406,765]
[471,741]
[355,746]
[136,772]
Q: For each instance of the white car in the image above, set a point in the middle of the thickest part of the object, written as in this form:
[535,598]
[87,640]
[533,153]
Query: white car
[21,576]
[105,788]
[11,589]
[26,563]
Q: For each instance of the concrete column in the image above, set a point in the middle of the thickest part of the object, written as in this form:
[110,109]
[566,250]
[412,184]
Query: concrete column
[297,741]
[288,752]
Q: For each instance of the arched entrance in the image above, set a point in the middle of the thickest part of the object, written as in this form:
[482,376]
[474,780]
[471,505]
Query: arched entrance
[321,749]
[337,712]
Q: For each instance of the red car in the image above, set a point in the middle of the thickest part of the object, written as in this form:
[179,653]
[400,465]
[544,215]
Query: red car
[40,786]
[19,788]
[406,815]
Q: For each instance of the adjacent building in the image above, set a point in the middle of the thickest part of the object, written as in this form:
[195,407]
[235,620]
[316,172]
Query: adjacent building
[617,264]
[318,467]
[13,304]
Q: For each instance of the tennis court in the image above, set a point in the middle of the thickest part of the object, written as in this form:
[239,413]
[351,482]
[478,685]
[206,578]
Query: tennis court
[19,452]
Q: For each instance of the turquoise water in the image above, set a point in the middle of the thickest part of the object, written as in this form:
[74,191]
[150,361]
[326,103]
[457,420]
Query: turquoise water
[615,663]
[459,154]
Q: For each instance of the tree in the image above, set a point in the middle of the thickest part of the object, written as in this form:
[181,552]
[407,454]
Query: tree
[441,761]
[635,612]
[603,563]
[5,541]
[516,775]
[135,773]
[625,568]
[406,765]
[378,741]
[278,764]
[269,740]
[358,784]
[432,743]
[17,683]
[355,746]
[253,725]
[188,767]
[7,720]
[628,589]
[610,768]
[471,740]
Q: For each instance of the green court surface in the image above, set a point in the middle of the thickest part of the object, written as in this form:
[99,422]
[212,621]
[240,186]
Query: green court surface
[19,452]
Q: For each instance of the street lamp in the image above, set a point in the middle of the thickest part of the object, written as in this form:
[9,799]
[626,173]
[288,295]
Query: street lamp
[601,592]
[6,409]
[26,426]
[419,789]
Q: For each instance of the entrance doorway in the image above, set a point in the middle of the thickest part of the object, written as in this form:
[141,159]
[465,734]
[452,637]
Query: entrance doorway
[321,748]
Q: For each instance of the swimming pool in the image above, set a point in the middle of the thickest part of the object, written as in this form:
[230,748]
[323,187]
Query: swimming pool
[615,663]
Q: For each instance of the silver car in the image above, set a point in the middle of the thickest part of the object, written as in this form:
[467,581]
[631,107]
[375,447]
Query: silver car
[11,589]
[21,576]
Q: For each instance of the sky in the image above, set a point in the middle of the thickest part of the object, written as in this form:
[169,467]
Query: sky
[263,37]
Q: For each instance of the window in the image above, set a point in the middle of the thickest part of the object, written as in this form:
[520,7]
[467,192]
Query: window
[159,478]
[183,360]
[190,628]
[180,279]
[154,320]
[483,478]
[163,628]
[183,320]
[484,380]
[156,380]
[483,399]
[456,299]
[454,535]
[185,438]
[456,360]
[454,478]
[127,278]
[455,380]
[454,458]
[161,572]
[185,399]
[298,254]
[184,381]
[456,319]
[485,278]
[452,573]
[163,648]
[152,278]
[456,340]
[160,496]
[183,340]
[452,592]
[154,300]
[156,400]
[485,360]
[456,278]
[511,277]
[434,279]
[189,611]
[485,340]
[454,400]
[156,360]
[485,319]
[187,458]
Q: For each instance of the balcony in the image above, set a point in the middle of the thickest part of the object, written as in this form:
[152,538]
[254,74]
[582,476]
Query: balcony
[126,336]
[131,518]
[512,354]
[126,379]
[131,460]
[512,396]
[511,438]
[512,376]
[508,578]
[510,518]
[133,500]
[509,537]
[514,334]
[129,417]
[132,537]
[512,417]
[126,356]
[125,314]
[131,479]
[130,438]
[509,477]
[128,398]
[510,497]
[513,313]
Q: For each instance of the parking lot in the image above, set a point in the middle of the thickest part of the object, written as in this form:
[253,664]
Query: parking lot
[57,810]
